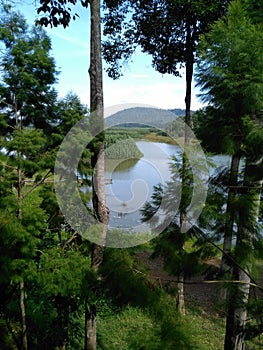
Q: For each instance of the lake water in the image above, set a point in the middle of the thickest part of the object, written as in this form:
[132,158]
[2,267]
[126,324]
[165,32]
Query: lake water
[133,181]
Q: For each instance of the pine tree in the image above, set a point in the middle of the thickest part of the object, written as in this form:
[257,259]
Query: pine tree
[230,75]
[25,85]
[45,266]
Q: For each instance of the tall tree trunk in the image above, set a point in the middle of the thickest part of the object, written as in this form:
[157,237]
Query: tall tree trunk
[99,205]
[180,294]
[189,67]
[23,315]
[90,327]
[19,192]
[226,265]
[238,297]
[97,124]
[21,284]
[229,222]
[237,312]
[189,76]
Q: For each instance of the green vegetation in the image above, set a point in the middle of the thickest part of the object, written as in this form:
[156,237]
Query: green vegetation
[120,145]
[121,133]
[143,329]
[49,288]
[149,134]
[122,149]
[229,72]
[141,117]
[147,317]
[155,137]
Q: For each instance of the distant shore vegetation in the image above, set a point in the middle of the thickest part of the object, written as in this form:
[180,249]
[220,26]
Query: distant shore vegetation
[122,149]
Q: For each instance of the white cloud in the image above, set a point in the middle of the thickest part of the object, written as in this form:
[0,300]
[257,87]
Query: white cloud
[162,95]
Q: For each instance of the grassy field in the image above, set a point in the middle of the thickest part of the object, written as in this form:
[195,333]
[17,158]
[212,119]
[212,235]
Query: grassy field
[154,324]
[135,328]
[122,132]
[155,137]
[148,134]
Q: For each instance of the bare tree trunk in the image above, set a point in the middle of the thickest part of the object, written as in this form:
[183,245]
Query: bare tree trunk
[237,301]
[189,67]
[100,208]
[90,327]
[21,284]
[97,124]
[180,303]
[226,265]
[23,315]
[237,314]
[238,297]
[180,295]
[189,76]
[180,285]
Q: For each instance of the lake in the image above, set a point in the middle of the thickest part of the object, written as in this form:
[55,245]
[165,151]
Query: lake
[132,181]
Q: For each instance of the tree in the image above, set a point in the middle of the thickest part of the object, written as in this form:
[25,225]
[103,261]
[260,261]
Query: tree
[218,137]
[45,266]
[25,87]
[230,74]
[58,13]
[29,67]
[226,95]
[169,31]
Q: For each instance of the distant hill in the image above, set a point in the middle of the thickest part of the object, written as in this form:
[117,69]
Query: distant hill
[142,116]
[180,112]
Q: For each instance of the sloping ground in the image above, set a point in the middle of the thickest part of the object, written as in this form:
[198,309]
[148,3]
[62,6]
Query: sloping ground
[197,289]
[204,297]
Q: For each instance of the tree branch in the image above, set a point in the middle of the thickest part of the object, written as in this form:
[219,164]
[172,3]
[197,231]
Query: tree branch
[37,184]
[230,257]
[197,282]
[74,236]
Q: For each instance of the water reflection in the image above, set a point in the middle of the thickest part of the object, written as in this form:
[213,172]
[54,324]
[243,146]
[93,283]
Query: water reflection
[132,180]
[129,183]
[119,165]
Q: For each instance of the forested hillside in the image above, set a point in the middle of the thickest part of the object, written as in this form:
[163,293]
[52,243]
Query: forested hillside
[140,116]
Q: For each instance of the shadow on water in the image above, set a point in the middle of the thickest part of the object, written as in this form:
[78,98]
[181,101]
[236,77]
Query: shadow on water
[119,165]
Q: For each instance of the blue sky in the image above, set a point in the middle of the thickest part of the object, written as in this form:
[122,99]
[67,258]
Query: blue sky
[141,84]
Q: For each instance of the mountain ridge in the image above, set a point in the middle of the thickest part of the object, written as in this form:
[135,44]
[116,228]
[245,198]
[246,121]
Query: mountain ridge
[144,116]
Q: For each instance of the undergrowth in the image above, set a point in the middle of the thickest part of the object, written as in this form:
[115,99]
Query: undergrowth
[141,316]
